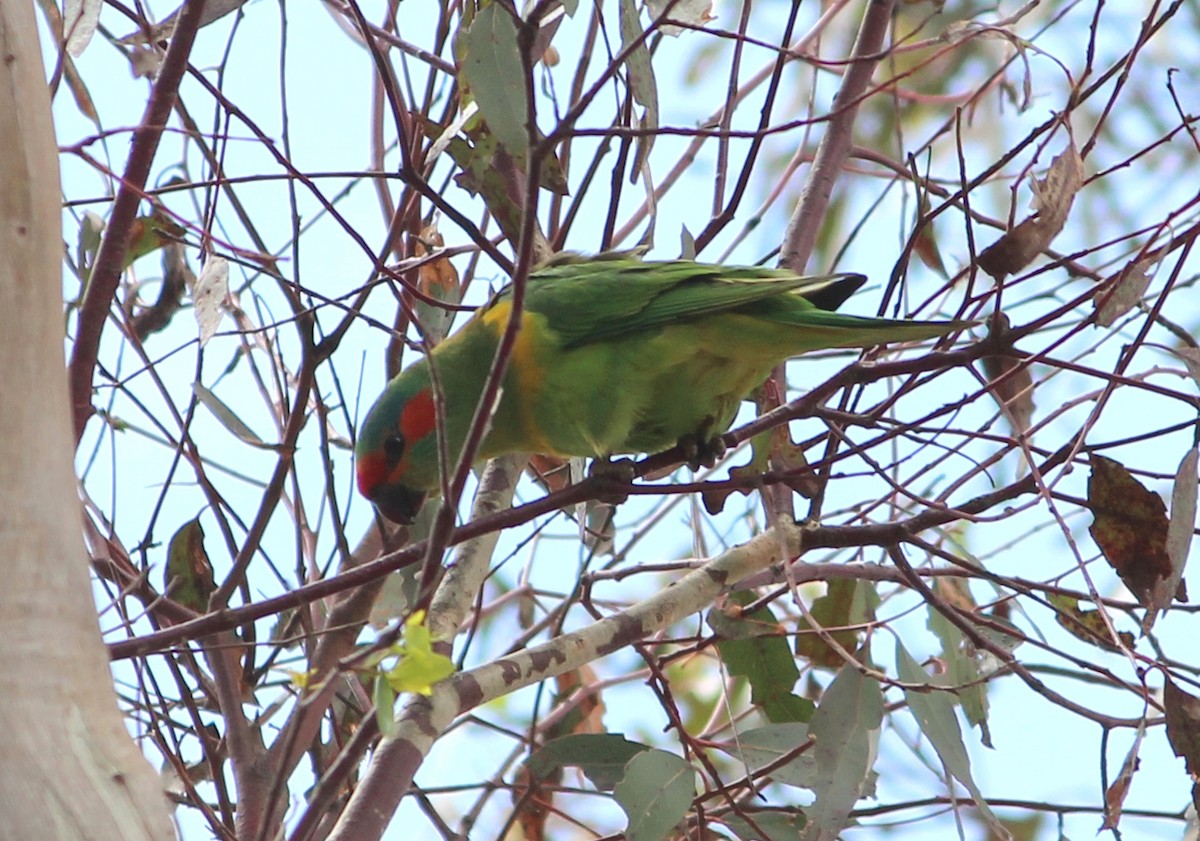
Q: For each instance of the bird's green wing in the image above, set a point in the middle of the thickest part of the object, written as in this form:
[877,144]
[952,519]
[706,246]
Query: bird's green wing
[597,300]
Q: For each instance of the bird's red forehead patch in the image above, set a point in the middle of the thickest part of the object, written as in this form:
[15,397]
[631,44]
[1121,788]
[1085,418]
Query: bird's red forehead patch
[418,418]
[372,470]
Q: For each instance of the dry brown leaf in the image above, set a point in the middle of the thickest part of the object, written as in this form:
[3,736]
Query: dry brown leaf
[1120,294]
[1052,199]
[208,296]
[1183,725]
[1114,798]
[1130,527]
[1013,391]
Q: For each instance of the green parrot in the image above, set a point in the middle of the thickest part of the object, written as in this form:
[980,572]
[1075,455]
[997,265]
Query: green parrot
[614,355]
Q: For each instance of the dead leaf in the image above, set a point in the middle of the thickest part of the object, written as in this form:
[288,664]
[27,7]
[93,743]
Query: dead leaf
[1183,725]
[692,12]
[1052,199]
[1191,358]
[925,245]
[208,296]
[1114,798]
[1087,625]
[1130,527]
[177,277]
[437,279]
[79,24]
[1119,294]
[213,10]
[1014,392]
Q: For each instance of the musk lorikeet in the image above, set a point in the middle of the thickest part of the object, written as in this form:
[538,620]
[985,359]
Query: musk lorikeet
[614,355]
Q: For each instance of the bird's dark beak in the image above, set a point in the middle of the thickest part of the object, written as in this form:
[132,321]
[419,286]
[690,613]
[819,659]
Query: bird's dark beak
[399,503]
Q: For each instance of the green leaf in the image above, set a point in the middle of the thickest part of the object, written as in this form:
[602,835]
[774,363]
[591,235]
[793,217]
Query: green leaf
[934,712]
[494,73]
[384,698]
[769,824]
[830,611]
[188,577]
[601,756]
[761,655]
[641,81]
[962,672]
[228,418]
[656,793]
[846,729]
[420,666]
[762,746]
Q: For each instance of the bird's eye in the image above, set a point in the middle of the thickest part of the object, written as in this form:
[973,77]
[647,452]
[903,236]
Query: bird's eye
[393,448]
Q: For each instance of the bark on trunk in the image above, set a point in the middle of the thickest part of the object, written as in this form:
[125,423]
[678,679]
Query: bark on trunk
[68,768]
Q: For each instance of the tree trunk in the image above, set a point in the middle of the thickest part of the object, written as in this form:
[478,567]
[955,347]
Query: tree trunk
[68,768]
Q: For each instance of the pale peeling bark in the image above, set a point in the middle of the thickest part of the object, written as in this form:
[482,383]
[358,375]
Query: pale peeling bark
[68,768]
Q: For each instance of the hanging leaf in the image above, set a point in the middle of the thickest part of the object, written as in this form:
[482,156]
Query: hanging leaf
[208,296]
[845,729]
[601,756]
[176,280]
[1130,527]
[963,671]
[80,18]
[1010,381]
[1052,200]
[1120,294]
[1191,358]
[1114,797]
[1183,729]
[439,280]
[641,83]
[655,793]
[1087,625]
[753,646]
[934,713]
[831,612]
[228,418]
[925,244]
[690,12]
[493,70]
[1179,538]
[188,576]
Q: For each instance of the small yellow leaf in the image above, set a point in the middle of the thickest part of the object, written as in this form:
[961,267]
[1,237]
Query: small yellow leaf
[419,666]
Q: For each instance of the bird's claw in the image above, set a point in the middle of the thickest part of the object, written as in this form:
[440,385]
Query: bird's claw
[610,473]
[699,451]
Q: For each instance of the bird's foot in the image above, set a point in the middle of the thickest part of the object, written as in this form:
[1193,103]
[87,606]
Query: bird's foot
[609,473]
[701,451]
